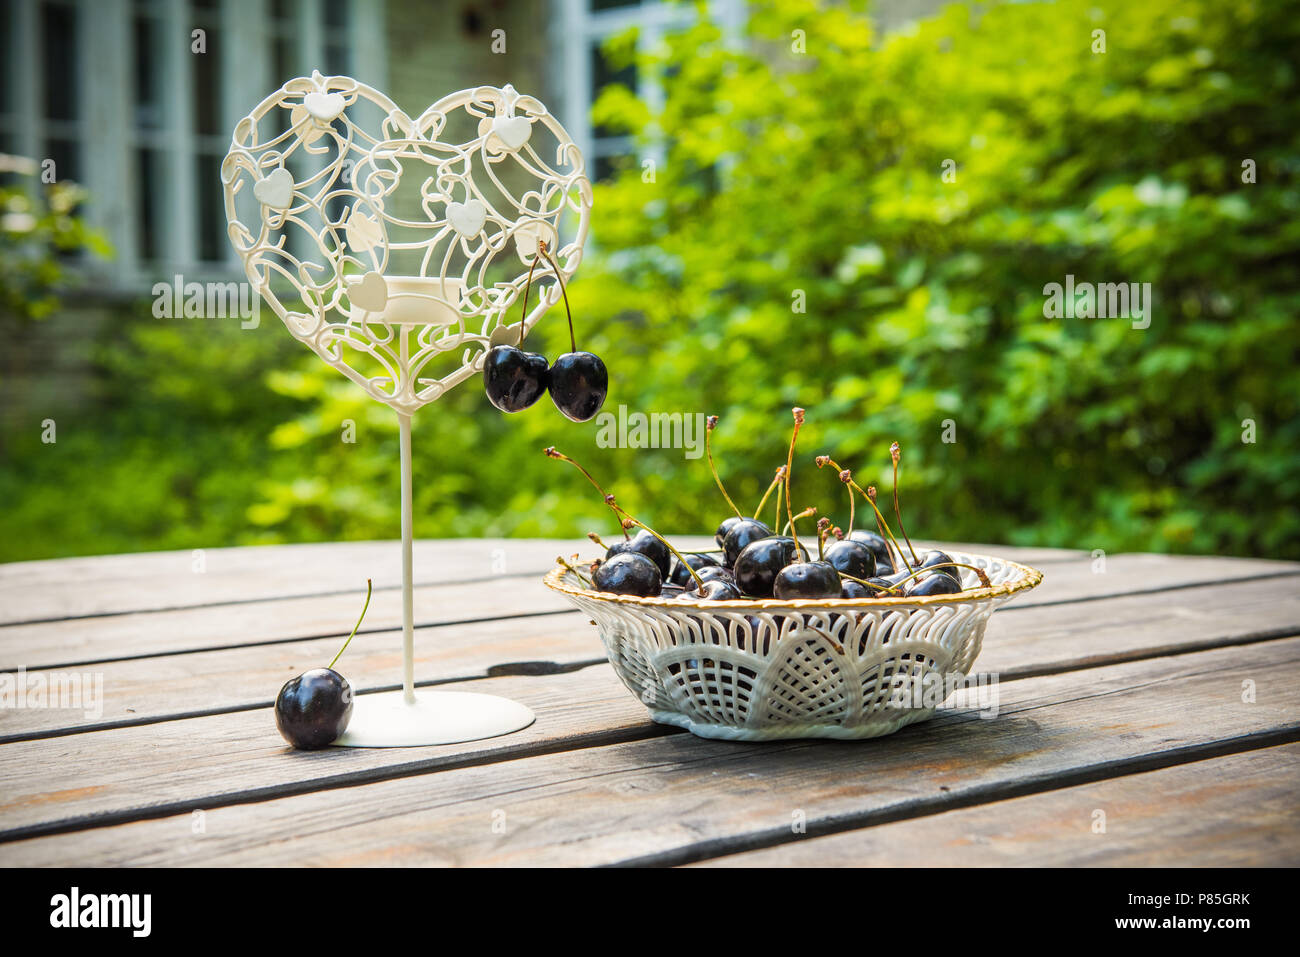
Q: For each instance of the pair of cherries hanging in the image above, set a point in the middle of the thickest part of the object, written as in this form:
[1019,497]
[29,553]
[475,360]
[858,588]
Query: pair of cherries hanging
[515,379]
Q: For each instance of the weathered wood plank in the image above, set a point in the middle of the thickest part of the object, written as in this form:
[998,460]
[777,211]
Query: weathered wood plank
[189,685]
[56,643]
[1035,641]
[667,799]
[142,634]
[220,757]
[150,581]
[1236,810]
[117,584]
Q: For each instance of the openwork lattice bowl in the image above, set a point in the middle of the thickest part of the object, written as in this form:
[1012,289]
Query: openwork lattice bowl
[774,669]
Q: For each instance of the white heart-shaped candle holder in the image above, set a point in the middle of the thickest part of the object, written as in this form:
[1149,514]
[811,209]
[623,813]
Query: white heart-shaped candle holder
[403,287]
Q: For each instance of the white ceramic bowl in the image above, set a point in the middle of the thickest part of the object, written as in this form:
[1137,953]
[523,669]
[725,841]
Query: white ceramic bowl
[775,669]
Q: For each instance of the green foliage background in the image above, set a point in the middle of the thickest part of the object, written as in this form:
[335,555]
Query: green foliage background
[820,172]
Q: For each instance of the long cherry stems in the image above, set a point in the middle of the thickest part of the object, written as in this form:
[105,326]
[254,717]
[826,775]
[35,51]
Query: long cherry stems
[369,589]
[523,319]
[824,460]
[758,512]
[629,521]
[710,424]
[789,468]
[581,577]
[541,249]
[895,453]
[808,512]
[552,452]
[884,526]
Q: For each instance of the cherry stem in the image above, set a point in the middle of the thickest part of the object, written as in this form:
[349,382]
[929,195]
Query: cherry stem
[979,572]
[551,452]
[523,318]
[780,490]
[541,249]
[581,577]
[699,582]
[877,586]
[883,527]
[763,501]
[808,512]
[369,590]
[896,454]
[880,519]
[789,468]
[597,539]
[711,424]
[839,649]
[823,529]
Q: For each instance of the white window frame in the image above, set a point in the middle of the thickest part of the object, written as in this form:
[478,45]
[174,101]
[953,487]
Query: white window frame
[583,28]
[106,120]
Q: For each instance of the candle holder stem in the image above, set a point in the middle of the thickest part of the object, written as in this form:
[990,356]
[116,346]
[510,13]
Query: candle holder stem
[408,547]
[398,719]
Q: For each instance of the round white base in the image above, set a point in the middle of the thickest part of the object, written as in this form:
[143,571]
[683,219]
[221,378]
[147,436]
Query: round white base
[385,720]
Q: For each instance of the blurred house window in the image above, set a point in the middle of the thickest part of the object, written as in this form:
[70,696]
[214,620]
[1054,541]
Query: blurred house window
[587,25]
[137,99]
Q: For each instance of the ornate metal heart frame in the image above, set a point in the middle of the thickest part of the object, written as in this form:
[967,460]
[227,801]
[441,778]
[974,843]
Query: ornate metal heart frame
[311,191]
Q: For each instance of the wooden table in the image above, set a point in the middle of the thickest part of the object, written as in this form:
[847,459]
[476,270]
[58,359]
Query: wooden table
[1149,714]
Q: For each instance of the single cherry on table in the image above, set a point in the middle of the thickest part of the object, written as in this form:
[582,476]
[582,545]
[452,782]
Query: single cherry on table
[313,709]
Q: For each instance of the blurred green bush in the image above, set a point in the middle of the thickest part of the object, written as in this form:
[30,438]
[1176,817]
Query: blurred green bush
[819,174]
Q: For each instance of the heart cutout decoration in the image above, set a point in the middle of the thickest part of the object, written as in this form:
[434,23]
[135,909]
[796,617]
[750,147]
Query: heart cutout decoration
[370,292]
[275,191]
[513,131]
[386,288]
[326,107]
[467,218]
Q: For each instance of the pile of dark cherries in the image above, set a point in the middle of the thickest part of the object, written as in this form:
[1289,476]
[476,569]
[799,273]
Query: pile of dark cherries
[756,563]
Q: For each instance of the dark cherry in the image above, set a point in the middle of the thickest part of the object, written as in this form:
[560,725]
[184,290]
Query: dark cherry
[680,576]
[578,383]
[643,543]
[879,547]
[884,568]
[761,561]
[716,589]
[852,589]
[313,709]
[935,583]
[514,379]
[711,572]
[671,591]
[851,558]
[742,534]
[930,559]
[629,573]
[807,580]
[728,523]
